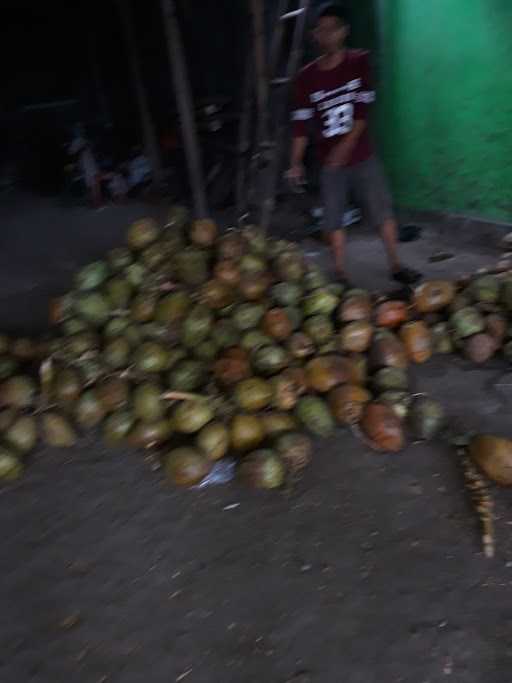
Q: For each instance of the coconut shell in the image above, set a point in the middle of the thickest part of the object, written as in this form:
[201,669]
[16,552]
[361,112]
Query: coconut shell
[275,423]
[227,272]
[213,440]
[480,348]
[277,325]
[347,403]
[417,341]
[246,432]
[433,296]
[300,345]
[326,372]
[494,457]
[391,314]
[186,466]
[496,327]
[285,392]
[295,450]
[356,337]
[262,469]
[387,351]
[203,232]
[253,395]
[355,307]
[382,426]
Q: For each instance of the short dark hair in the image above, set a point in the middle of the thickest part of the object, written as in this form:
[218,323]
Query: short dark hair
[333,10]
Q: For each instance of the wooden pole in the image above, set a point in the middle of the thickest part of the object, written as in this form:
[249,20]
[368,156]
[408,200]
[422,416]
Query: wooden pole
[151,146]
[244,137]
[185,108]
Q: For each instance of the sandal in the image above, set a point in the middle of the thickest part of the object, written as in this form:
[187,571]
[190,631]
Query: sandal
[406,276]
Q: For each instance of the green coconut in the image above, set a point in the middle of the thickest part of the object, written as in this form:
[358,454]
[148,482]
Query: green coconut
[213,440]
[206,350]
[253,394]
[74,326]
[91,370]
[11,467]
[290,266]
[93,307]
[152,255]
[142,233]
[118,292]
[314,279]
[295,449]
[467,322]
[119,259]
[391,379]
[399,401]
[172,307]
[196,326]
[81,343]
[294,315]
[187,375]
[147,402]
[254,339]
[117,426]
[191,416]
[22,434]
[177,218]
[319,329]
[286,294]
[116,353]
[8,366]
[192,266]
[89,411]
[485,289]
[67,387]
[262,469]
[146,434]
[142,308]
[186,466]
[151,357]
[116,327]
[248,316]
[320,302]
[252,264]
[225,334]
[315,415]
[269,360]
[113,393]
[7,417]
[92,276]
[18,392]
[441,338]
[57,431]
[506,294]
[136,274]
[425,418]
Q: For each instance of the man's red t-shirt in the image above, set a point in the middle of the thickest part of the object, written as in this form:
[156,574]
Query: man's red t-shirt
[334,99]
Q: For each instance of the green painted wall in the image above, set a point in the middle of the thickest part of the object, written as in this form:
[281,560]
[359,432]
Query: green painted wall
[444,116]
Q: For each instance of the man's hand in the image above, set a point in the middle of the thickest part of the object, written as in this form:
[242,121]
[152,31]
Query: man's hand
[296,176]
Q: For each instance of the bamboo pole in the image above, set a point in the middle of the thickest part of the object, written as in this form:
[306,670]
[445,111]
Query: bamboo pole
[185,108]
[148,129]
[244,137]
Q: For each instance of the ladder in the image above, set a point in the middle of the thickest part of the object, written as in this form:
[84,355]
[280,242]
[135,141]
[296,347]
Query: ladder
[275,125]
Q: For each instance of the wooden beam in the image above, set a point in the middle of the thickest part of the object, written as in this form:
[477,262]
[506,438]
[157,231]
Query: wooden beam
[185,107]
[150,139]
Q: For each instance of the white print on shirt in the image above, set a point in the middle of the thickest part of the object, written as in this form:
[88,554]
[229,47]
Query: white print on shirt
[321,94]
[338,120]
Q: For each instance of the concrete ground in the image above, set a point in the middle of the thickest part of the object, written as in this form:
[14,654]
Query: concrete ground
[371,573]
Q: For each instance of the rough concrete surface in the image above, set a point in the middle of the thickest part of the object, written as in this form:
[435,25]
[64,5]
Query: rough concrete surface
[371,572]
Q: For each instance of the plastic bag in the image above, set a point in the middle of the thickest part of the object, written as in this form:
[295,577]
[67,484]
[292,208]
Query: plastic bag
[221,473]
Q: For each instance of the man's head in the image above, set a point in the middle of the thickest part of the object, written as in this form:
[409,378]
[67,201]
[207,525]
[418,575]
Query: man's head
[331,29]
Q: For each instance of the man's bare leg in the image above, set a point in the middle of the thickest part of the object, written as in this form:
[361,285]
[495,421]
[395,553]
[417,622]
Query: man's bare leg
[389,235]
[337,242]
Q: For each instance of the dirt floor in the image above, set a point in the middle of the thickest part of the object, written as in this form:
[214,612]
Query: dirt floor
[371,573]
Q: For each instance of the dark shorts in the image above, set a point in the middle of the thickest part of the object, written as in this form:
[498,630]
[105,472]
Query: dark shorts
[367,184]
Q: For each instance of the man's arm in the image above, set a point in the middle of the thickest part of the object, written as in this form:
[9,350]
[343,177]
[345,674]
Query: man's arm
[301,114]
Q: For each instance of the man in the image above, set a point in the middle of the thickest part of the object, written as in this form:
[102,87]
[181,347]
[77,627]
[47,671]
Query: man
[334,92]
